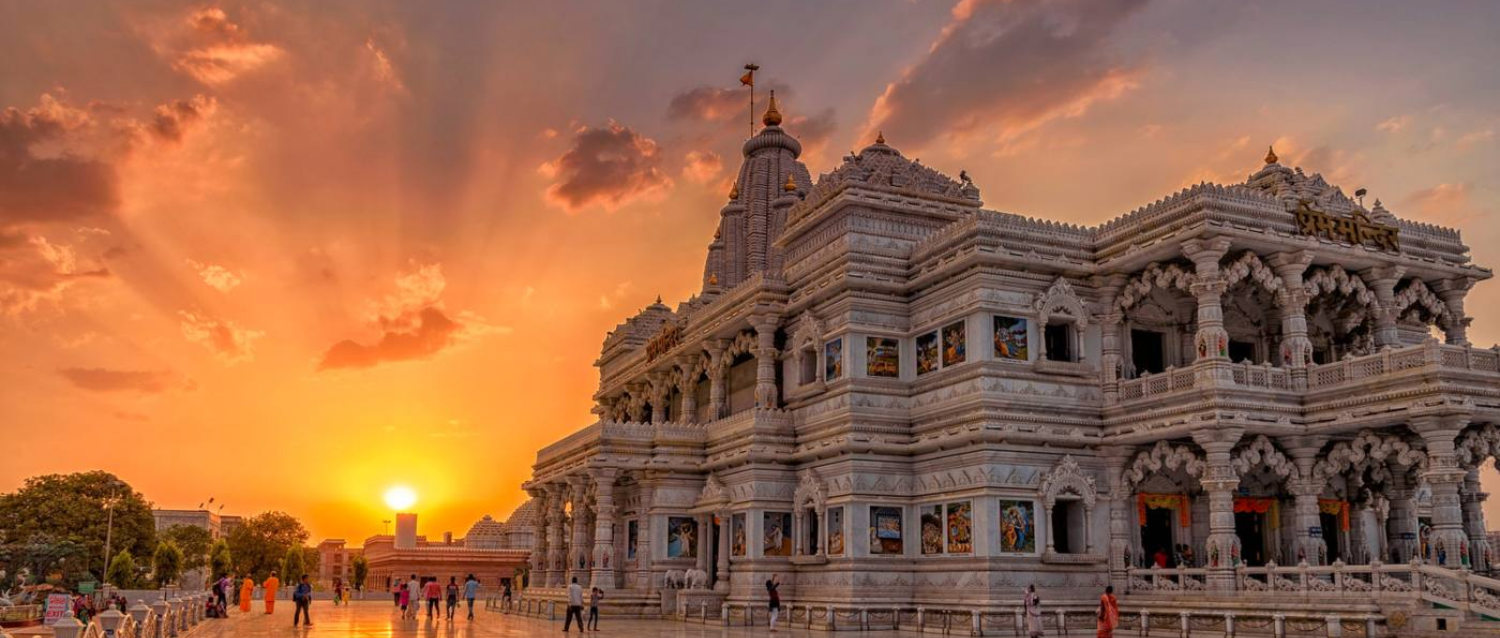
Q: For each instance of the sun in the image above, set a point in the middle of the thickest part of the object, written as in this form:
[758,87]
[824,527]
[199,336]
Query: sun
[400,498]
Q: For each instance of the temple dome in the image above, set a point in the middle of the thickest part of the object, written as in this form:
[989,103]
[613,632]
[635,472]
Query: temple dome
[524,517]
[486,533]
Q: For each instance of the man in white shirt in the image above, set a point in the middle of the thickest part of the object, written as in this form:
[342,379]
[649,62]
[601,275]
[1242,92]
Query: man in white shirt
[414,587]
[575,606]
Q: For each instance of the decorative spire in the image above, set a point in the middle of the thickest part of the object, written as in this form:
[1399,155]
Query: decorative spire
[880,137]
[790,185]
[734,191]
[1270,155]
[658,298]
[773,116]
[713,279]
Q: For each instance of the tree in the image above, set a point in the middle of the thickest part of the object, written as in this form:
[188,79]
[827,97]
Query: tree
[193,541]
[293,566]
[122,570]
[43,555]
[166,565]
[361,569]
[259,545]
[220,561]
[75,508]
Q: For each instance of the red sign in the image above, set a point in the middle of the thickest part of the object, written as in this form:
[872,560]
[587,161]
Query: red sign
[57,607]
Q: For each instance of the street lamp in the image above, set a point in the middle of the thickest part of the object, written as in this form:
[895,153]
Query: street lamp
[109,525]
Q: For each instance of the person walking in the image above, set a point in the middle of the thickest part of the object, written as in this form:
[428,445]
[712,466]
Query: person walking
[775,603]
[1033,612]
[451,596]
[1109,614]
[302,600]
[338,591]
[595,595]
[396,591]
[403,598]
[471,591]
[505,595]
[413,595]
[247,591]
[575,607]
[269,592]
[433,592]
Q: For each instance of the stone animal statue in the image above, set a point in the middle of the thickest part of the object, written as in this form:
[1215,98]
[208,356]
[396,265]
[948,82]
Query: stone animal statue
[697,579]
[675,579]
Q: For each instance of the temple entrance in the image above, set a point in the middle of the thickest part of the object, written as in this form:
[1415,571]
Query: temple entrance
[1156,534]
[1331,526]
[1148,351]
[714,548]
[1251,528]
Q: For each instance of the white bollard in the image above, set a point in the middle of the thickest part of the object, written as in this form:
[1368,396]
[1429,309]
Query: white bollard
[161,609]
[67,627]
[139,611]
[109,621]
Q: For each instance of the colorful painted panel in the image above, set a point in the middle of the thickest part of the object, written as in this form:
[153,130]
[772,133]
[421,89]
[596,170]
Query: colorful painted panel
[882,357]
[1010,338]
[1017,527]
[737,535]
[932,529]
[833,360]
[682,537]
[955,344]
[885,530]
[927,353]
[960,527]
[835,531]
[632,538]
[776,530]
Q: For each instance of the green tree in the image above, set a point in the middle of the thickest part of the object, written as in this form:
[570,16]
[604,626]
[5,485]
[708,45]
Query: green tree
[361,569]
[220,561]
[195,543]
[76,508]
[259,545]
[122,570]
[293,566]
[166,565]
[43,556]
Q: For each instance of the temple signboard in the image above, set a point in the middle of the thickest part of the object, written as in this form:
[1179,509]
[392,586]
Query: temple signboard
[663,341]
[1355,229]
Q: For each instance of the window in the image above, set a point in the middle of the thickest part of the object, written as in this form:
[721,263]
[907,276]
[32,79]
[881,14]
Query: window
[1147,351]
[1059,337]
[809,371]
[1067,527]
[1241,351]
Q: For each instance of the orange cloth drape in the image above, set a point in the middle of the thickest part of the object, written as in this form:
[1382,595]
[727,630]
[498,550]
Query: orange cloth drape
[1337,508]
[1260,505]
[1178,502]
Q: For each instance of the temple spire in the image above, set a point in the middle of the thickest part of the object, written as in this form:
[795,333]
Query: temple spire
[790,185]
[773,116]
[1271,155]
[880,137]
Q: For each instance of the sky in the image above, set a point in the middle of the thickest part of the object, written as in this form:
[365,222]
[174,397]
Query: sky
[289,254]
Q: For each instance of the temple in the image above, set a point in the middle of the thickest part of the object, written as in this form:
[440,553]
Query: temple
[896,398]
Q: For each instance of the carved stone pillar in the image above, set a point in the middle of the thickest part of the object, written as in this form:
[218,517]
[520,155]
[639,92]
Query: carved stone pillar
[556,559]
[765,361]
[1307,487]
[661,394]
[537,560]
[1211,341]
[1473,499]
[717,369]
[579,548]
[1383,282]
[1296,348]
[1220,480]
[721,577]
[604,524]
[687,384]
[1401,522]
[636,408]
[1110,332]
[1116,458]
[1448,546]
[643,550]
[705,534]
[1452,293]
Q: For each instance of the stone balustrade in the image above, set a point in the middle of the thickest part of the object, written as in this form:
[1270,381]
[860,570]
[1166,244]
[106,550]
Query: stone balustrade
[164,619]
[1429,355]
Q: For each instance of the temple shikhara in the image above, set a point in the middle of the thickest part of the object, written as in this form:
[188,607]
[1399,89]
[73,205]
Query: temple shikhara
[900,402]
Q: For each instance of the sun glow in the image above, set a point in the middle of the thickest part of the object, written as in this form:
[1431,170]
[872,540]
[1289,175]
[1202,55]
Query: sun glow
[400,498]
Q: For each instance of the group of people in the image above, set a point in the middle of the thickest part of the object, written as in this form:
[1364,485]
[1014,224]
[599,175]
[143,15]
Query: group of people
[575,607]
[1181,556]
[301,597]
[409,595]
[1107,614]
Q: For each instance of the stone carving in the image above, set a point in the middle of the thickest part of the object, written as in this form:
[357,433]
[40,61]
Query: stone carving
[1061,297]
[1415,298]
[1170,276]
[1372,451]
[1248,266]
[1329,279]
[1067,478]
[1164,456]
[1261,452]
[809,492]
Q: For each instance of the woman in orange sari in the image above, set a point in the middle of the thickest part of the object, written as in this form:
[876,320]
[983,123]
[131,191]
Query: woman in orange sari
[247,589]
[1109,613]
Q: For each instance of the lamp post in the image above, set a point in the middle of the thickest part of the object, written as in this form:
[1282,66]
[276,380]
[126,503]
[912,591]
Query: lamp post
[109,525]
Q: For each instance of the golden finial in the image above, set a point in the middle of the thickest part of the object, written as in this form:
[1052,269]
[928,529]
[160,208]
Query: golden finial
[773,116]
[713,279]
[790,185]
[658,299]
[880,137]
[734,191]
[1270,155]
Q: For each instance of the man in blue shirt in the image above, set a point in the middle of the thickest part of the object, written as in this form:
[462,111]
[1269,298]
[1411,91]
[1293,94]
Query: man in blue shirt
[302,598]
[471,590]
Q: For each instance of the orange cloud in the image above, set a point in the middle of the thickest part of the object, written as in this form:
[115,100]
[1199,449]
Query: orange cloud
[412,325]
[229,342]
[217,277]
[223,51]
[171,118]
[35,270]
[138,381]
[611,166]
[702,166]
[1446,203]
[716,104]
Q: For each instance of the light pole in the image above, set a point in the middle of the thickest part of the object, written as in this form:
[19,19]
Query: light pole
[109,525]
[387,527]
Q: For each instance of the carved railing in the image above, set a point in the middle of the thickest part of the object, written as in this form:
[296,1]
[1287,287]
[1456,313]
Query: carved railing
[1430,354]
[1261,376]
[1148,385]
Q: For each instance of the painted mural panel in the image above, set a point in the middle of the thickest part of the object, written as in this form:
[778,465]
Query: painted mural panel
[835,531]
[1017,527]
[833,360]
[1010,338]
[737,535]
[932,529]
[960,527]
[776,528]
[955,344]
[885,530]
[927,352]
[682,537]
[882,357]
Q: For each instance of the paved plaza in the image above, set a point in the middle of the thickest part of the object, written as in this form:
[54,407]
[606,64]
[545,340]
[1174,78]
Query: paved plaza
[372,619]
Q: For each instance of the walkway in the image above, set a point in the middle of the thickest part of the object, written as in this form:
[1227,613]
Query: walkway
[372,619]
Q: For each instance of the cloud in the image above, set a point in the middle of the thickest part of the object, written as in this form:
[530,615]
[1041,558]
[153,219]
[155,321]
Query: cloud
[1007,68]
[229,342]
[173,117]
[216,51]
[384,70]
[137,381]
[1447,203]
[34,270]
[1475,137]
[813,131]
[412,325]
[217,277]
[1393,124]
[610,166]
[716,104]
[52,166]
[702,166]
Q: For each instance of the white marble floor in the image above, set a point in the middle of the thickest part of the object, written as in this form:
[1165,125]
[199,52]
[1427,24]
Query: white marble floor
[372,619]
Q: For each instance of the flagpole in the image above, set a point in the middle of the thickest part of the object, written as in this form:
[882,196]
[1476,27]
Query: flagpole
[750,80]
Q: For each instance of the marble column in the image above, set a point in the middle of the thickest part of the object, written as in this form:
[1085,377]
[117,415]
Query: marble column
[537,561]
[1383,282]
[1116,459]
[1307,487]
[1111,334]
[580,547]
[603,575]
[1296,348]
[643,550]
[1211,340]
[556,559]
[1452,292]
[1473,497]
[1448,543]
[765,361]
[705,534]
[718,368]
[1401,523]
[687,384]
[721,578]
[661,395]
[1219,480]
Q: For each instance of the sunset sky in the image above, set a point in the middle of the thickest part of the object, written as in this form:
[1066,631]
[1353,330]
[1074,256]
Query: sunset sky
[290,254]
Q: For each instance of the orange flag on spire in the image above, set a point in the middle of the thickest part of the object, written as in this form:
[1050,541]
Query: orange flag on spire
[748,79]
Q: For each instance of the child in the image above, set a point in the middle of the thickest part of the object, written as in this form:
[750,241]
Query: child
[405,599]
[595,595]
[452,596]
